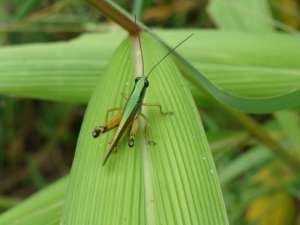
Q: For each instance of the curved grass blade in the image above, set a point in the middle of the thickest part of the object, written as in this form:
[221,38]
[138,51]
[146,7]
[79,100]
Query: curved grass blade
[258,104]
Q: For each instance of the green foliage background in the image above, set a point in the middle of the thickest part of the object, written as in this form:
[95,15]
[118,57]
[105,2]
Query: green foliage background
[248,63]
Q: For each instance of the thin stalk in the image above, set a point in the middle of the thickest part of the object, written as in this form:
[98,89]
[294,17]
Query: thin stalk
[262,135]
[138,56]
[114,12]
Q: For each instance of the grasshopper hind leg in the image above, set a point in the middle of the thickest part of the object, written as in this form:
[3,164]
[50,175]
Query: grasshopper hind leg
[98,130]
[114,122]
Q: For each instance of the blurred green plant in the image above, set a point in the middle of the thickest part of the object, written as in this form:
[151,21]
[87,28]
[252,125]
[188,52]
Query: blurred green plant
[255,75]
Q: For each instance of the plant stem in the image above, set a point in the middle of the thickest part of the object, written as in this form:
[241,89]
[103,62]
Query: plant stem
[138,56]
[114,12]
[262,135]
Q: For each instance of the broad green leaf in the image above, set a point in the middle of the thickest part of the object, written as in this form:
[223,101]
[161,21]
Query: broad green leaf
[254,75]
[43,208]
[54,195]
[50,201]
[172,182]
[65,71]
[249,16]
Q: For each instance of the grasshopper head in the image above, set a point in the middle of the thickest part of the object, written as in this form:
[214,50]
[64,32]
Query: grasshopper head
[142,79]
[146,82]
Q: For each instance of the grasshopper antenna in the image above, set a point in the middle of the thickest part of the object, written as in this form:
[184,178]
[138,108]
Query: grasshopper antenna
[141,50]
[163,58]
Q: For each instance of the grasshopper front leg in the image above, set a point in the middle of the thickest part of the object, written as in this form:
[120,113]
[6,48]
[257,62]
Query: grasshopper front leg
[114,122]
[146,130]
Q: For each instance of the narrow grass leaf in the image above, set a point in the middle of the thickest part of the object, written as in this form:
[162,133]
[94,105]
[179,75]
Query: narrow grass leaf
[245,162]
[42,208]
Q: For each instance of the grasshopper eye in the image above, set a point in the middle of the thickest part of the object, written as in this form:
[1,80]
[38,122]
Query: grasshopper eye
[146,83]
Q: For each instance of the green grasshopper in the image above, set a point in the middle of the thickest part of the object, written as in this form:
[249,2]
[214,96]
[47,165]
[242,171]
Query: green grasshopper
[128,116]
